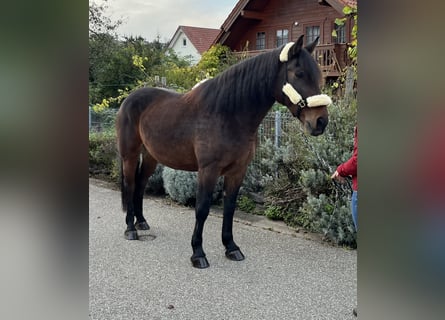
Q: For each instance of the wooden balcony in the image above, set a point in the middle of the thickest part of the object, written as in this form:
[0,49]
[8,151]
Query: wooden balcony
[332,58]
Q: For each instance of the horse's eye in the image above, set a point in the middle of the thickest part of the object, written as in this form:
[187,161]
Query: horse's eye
[299,74]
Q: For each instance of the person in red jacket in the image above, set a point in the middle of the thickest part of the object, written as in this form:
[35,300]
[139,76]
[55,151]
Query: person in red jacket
[349,168]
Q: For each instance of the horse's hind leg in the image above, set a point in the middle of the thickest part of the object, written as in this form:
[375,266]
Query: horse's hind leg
[232,185]
[146,169]
[129,173]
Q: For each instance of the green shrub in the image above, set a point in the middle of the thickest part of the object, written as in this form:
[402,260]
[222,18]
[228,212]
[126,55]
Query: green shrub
[251,180]
[104,161]
[102,155]
[302,193]
[155,183]
[246,204]
[181,186]
[273,212]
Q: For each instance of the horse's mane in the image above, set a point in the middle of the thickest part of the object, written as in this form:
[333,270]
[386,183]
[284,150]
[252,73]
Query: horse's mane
[245,85]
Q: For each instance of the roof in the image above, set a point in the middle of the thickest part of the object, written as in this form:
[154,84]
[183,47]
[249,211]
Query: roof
[340,4]
[241,5]
[201,38]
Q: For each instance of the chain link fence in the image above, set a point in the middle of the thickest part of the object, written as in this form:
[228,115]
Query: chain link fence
[272,130]
[101,121]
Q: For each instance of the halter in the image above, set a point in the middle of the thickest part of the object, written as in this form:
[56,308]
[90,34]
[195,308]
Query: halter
[293,95]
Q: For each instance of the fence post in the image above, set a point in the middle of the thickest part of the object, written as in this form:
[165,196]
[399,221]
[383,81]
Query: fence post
[89,118]
[277,128]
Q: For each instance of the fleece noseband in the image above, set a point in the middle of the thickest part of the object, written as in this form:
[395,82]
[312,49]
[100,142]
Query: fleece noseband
[293,95]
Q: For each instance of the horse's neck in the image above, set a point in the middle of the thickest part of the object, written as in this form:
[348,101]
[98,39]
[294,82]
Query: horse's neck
[255,107]
[260,100]
[241,93]
[256,114]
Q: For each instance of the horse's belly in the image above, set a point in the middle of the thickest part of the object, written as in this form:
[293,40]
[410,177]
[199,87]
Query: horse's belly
[178,155]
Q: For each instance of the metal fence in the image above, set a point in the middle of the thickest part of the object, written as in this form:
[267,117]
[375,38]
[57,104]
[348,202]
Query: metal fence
[271,135]
[273,126]
[100,121]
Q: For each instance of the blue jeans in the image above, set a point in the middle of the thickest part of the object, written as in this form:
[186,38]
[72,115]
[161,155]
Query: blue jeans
[354,200]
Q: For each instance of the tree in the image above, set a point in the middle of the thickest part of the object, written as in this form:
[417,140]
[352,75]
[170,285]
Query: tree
[99,23]
[111,67]
[213,61]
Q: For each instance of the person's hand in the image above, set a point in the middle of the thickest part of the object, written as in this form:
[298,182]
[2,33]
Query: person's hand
[337,177]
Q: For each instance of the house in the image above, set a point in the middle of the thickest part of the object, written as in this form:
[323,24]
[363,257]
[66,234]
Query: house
[255,26]
[192,42]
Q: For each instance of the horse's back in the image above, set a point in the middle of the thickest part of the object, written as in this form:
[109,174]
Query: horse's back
[141,99]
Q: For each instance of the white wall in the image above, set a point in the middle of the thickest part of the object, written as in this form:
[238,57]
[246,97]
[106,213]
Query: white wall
[187,50]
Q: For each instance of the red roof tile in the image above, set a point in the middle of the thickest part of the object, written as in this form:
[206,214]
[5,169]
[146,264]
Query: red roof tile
[201,38]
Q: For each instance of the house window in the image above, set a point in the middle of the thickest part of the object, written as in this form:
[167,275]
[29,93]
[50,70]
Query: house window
[312,32]
[341,34]
[261,41]
[282,37]
[184,42]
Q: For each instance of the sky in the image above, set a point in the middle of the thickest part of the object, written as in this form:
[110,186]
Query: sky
[150,18]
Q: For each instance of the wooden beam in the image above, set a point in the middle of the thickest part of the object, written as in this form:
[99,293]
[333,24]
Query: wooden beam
[337,5]
[255,15]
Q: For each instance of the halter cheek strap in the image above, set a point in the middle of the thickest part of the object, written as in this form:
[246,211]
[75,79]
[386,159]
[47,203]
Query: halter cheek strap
[291,93]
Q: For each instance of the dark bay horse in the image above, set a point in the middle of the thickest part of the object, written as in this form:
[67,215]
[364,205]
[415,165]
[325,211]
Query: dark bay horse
[212,129]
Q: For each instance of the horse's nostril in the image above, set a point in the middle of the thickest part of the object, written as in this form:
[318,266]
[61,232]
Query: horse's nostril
[321,122]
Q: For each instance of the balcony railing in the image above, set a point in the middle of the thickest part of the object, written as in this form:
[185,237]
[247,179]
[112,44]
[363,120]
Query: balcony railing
[332,58]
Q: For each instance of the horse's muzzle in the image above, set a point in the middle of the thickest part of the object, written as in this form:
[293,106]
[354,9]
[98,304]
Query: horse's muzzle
[318,127]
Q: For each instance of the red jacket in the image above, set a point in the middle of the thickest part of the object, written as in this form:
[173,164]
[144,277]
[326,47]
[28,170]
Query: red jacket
[349,168]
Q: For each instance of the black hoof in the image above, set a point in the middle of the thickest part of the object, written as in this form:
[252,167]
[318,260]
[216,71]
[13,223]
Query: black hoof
[200,262]
[131,235]
[142,226]
[235,255]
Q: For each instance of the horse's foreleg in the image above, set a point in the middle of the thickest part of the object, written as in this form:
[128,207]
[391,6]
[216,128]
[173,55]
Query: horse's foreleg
[206,184]
[232,185]
[147,168]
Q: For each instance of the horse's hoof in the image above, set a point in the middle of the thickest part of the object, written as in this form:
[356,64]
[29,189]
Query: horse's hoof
[235,255]
[200,262]
[131,235]
[142,226]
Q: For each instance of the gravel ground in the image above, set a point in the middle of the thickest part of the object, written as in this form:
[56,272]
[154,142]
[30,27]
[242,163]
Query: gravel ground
[284,276]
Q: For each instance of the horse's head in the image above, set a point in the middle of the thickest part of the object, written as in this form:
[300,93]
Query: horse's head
[298,86]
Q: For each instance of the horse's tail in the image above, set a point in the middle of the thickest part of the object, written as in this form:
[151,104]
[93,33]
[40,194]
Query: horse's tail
[128,138]
[123,189]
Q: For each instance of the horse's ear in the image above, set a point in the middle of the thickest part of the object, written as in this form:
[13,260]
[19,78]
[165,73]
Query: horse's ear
[311,47]
[296,47]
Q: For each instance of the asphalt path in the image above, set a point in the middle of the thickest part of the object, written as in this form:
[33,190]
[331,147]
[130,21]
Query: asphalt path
[285,275]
